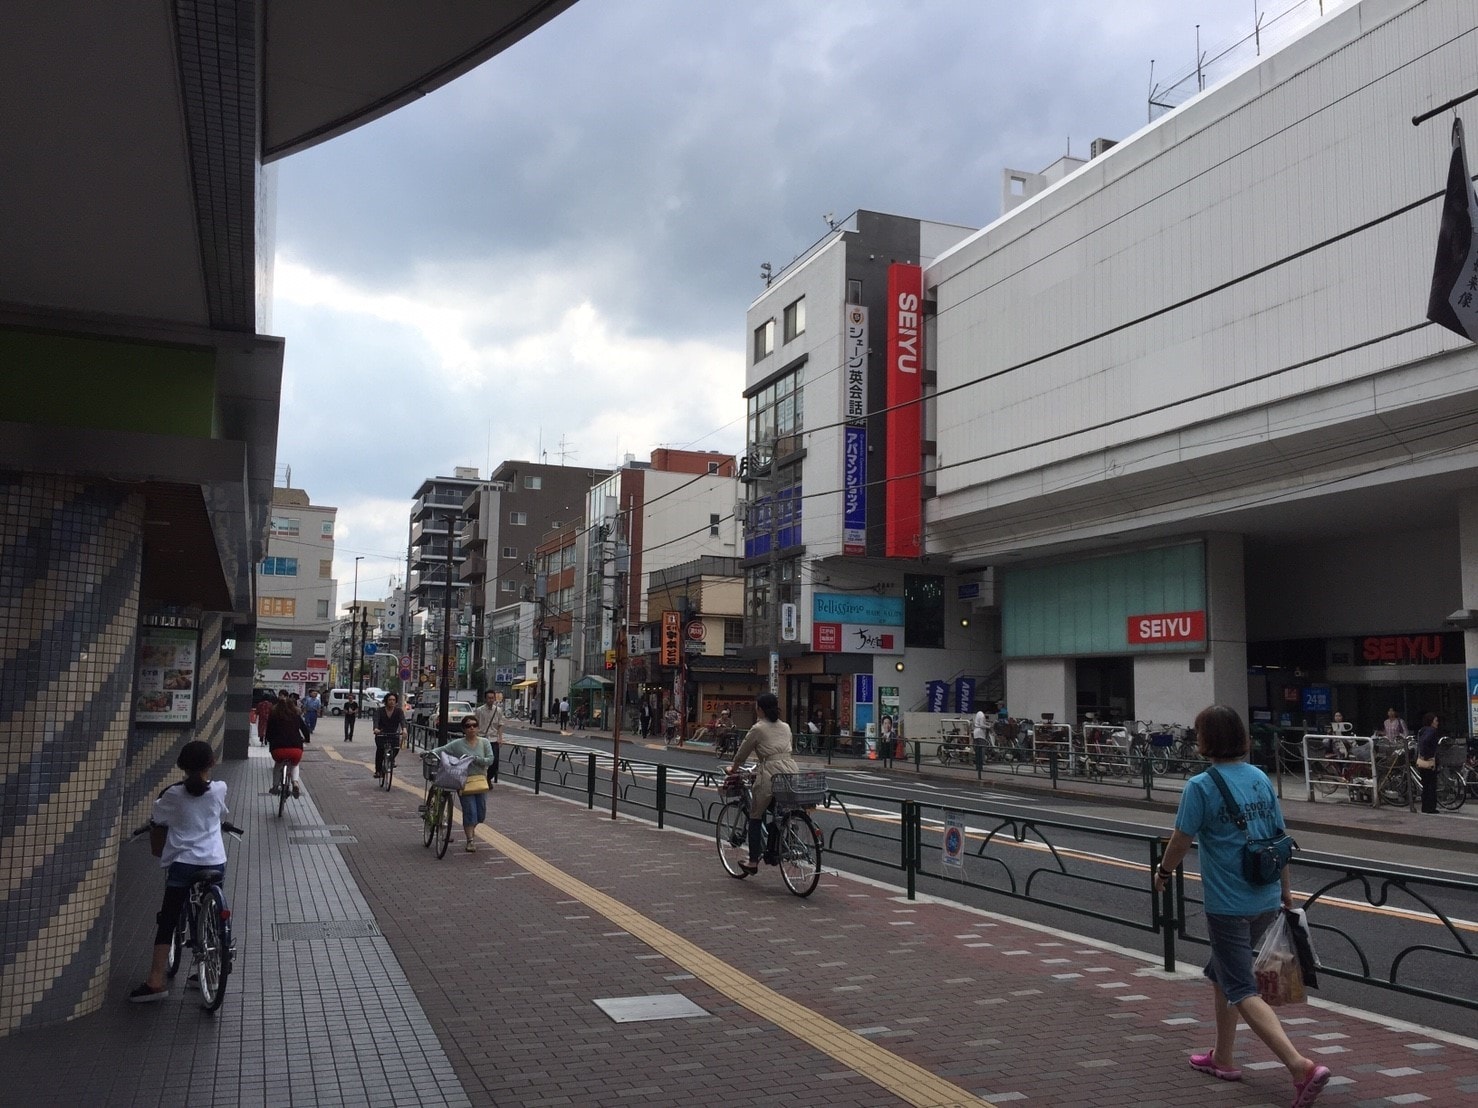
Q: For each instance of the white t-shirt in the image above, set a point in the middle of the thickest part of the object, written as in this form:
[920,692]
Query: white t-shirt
[194,824]
[982,728]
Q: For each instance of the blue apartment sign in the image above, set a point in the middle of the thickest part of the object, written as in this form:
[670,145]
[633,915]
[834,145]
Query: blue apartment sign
[1317,698]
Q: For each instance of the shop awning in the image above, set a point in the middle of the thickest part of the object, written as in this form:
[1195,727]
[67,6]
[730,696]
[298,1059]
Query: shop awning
[590,682]
[526,683]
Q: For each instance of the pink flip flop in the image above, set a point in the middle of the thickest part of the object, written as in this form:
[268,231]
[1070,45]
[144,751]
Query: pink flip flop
[1307,1091]
[1206,1063]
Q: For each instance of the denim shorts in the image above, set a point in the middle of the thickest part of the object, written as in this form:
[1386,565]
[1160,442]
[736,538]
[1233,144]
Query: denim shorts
[475,808]
[1234,942]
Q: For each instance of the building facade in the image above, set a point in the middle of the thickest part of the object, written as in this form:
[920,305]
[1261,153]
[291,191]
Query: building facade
[296,593]
[1198,435]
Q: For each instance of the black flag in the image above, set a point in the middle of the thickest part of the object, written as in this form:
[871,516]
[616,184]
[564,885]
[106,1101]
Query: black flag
[1454,299]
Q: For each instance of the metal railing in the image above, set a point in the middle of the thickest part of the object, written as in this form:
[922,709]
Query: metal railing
[1028,858]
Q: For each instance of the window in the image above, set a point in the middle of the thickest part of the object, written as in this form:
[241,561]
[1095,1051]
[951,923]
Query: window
[510,552]
[533,482]
[713,467]
[280,648]
[923,610]
[733,632]
[854,292]
[325,567]
[277,606]
[279,567]
[795,319]
[509,586]
[326,529]
[777,411]
[285,525]
[323,609]
[518,519]
[764,340]
[320,648]
[713,520]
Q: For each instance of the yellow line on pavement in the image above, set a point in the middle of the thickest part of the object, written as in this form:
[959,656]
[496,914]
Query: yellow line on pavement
[909,1082]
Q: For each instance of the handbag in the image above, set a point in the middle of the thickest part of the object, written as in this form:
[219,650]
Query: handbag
[1262,859]
[452,772]
[1426,763]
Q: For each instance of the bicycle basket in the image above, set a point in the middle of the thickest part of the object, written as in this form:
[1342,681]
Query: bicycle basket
[430,763]
[1451,755]
[1162,738]
[799,790]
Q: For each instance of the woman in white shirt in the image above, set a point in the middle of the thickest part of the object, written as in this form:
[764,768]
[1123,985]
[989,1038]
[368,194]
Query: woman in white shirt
[185,831]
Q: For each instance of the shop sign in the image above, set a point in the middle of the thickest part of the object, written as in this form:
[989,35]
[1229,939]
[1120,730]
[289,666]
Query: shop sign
[904,490]
[937,693]
[854,433]
[1406,649]
[854,638]
[164,681]
[1167,627]
[672,624]
[964,695]
[1317,698]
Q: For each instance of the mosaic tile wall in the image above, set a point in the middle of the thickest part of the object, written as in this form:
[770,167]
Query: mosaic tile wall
[70,554]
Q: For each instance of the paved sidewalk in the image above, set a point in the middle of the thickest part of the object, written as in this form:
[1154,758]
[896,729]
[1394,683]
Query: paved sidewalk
[481,979]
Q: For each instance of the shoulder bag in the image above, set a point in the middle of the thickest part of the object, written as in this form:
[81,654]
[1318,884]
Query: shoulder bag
[1262,859]
[452,772]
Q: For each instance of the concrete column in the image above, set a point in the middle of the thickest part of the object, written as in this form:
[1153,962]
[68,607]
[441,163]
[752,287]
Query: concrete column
[1467,526]
[1040,685]
[1226,621]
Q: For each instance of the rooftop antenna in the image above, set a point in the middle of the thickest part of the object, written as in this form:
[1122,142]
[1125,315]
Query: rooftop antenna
[765,274]
[565,451]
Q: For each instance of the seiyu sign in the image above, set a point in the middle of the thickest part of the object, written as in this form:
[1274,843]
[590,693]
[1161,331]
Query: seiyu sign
[850,624]
[854,430]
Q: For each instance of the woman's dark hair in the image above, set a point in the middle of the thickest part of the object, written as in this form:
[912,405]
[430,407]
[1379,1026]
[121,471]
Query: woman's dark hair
[1429,719]
[1220,733]
[284,709]
[769,705]
[195,758]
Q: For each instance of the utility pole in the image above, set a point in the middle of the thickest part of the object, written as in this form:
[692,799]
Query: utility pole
[446,627]
[363,642]
[768,452]
[620,642]
[353,623]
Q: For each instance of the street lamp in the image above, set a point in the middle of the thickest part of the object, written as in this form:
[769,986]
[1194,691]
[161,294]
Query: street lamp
[446,628]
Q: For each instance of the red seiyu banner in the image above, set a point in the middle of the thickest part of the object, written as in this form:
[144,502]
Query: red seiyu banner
[904,491]
[1167,627]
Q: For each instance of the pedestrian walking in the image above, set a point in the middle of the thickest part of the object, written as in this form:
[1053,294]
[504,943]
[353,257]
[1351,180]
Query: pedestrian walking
[264,711]
[645,719]
[1427,741]
[669,726]
[351,714]
[490,719]
[474,791]
[1237,911]
[564,714]
[312,706]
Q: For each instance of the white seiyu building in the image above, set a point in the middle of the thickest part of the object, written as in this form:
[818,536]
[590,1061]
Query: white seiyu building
[1191,419]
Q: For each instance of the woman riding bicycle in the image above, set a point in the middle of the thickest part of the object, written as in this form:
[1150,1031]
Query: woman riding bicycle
[185,832]
[772,744]
[389,731]
[474,792]
[287,731]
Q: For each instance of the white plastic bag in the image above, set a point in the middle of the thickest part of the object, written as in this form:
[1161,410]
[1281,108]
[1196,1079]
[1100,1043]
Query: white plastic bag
[452,773]
[1276,967]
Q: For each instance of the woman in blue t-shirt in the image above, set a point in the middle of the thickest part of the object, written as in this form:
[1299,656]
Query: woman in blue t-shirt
[1237,912]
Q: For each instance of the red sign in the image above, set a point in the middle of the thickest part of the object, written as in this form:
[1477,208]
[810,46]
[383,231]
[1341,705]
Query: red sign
[904,488]
[696,631]
[1167,627]
[317,663]
[672,646]
[826,638]
[1401,648]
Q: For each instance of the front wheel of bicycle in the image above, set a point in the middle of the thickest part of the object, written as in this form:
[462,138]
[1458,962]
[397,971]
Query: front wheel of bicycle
[1452,790]
[389,771]
[282,791]
[1327,781]
[214,958]
[731,832]
[179,942]
[443,823]
[800,853]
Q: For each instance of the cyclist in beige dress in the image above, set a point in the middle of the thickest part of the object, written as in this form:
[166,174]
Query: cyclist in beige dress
[772,745]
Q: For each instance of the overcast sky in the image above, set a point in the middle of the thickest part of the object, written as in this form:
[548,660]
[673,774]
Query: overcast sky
[552,256]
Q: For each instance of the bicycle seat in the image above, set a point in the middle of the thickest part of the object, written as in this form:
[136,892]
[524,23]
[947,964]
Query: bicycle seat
[209,876]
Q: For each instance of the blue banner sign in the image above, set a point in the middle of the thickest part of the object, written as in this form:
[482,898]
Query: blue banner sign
[886,611]
[862,690]
[964,695]
[938,695]
[854,490]
[1317,698]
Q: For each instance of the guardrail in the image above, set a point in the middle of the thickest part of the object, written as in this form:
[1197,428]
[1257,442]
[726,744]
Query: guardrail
[1024,858]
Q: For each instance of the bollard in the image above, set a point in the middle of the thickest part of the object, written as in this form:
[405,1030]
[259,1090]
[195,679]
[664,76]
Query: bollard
[1147,767]
[538,768]
[979,759]
[1052,767]
[910,830]
[661,793]
[590,781]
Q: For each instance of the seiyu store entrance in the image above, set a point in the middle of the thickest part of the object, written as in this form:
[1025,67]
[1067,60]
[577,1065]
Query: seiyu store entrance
[1105,690]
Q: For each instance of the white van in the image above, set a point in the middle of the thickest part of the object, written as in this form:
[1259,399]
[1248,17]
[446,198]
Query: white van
[336,699]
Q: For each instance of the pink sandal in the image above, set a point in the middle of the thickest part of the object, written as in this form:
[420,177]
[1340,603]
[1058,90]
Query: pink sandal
[1206,1063]
[1307,1091]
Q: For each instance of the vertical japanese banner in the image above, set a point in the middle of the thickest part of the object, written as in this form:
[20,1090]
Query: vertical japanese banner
[862,711]
[904,488]
[854,430]
[937,695]
[964,695]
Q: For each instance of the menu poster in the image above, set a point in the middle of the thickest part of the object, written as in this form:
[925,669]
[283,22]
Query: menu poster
[164,688]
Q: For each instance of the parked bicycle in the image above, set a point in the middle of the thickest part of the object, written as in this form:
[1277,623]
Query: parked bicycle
[792,840]
[204,929]
[436,811]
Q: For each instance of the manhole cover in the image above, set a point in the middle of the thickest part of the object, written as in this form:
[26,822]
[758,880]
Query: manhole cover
[320,840]
[637,1009]
[311,930]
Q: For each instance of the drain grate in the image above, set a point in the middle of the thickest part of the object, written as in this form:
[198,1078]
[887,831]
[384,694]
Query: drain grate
[312,930]
[321,840]
[639,1009]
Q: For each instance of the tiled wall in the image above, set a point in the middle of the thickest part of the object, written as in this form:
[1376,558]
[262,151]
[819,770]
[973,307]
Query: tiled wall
[75,777]
[70,554]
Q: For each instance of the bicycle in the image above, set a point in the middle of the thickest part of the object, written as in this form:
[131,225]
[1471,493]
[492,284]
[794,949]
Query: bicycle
[391,751]
[1454,775]
[793,841]
[281,787]
[204,927]
[436,812]
[1401,782]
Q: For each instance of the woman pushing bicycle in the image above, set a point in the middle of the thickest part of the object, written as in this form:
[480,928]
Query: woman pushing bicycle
[185,832]
[474,792]
[772,745]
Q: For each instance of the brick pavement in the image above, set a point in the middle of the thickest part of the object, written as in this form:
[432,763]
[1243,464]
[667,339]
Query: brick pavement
[486,967]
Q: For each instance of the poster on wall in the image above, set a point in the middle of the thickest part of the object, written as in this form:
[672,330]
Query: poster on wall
[168,668]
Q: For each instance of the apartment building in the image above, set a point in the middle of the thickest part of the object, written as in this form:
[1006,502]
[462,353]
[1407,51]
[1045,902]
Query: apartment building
[296,592]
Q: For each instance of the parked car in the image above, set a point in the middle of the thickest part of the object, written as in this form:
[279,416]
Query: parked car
[457,710]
